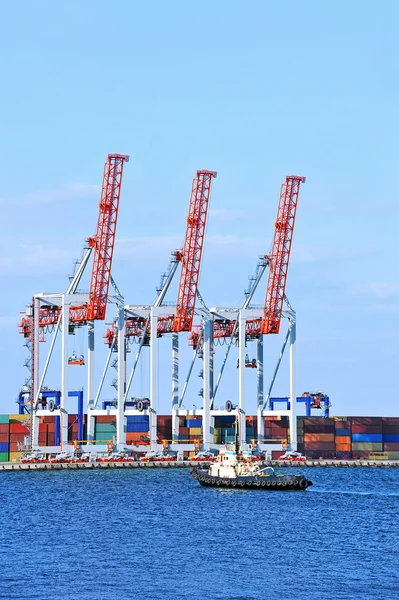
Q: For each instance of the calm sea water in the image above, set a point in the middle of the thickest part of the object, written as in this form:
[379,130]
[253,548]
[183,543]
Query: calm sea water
[156,534]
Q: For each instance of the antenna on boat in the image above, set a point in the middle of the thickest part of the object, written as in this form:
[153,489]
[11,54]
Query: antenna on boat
[237,444]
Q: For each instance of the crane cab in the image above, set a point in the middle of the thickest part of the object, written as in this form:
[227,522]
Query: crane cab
[76,360]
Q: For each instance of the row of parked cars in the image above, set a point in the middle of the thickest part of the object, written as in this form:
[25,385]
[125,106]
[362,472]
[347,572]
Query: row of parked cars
[63,457]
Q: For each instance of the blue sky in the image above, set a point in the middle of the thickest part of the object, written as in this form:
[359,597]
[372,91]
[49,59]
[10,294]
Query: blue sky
[255,91]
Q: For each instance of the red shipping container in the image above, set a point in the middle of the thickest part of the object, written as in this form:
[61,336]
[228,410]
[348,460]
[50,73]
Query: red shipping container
[50,427]
[13,447]
[49,419]
[18,428]
[390,422]
[106,419]
[367,421]
[319,446]
[4,438]
[391,446]
[366,428]
[4,428]
[51,439]
[42,427]
[343,424]
[183,430]
[318,425]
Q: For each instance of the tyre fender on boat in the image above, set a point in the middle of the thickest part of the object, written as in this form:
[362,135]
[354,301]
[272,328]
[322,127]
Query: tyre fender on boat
[303,484]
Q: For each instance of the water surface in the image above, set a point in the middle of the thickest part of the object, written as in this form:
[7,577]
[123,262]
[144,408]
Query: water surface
[156,534]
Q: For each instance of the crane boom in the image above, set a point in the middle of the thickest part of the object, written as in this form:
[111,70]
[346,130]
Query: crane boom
[103,246]
[104,240]
[280,256]
[192,251]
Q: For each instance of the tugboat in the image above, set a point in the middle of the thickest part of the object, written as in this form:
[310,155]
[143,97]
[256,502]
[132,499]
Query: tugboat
[234,469]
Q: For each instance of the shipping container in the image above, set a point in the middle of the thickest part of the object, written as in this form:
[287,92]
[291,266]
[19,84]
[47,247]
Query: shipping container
[194,423]
[15,456]
[318,425]
[344,447]
[390,437]
[319,446]
[3,456]
[342,432]
[4,428]
[367,437]
[373,421]
[366,447]
[4,437]
[195,431]
[392,455]
[4,419]
[318,437]
[391,446]
[366,429]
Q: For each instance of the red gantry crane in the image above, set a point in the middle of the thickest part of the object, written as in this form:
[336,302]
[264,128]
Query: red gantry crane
[190,258]
[103,245]
[280,255]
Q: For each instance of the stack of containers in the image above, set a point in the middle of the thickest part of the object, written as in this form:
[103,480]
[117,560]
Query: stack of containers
[105,428]
[224,430]
[251,428]
[50,421]
[194,425]
[366,436]
[164,427]
[276,429]
[42,434]
[390,437]
[343,430]
[136,428]
[18,433]
[299,432]
[4,437]
[318,437]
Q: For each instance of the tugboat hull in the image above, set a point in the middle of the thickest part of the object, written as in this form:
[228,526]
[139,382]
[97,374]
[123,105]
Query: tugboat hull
[257,482]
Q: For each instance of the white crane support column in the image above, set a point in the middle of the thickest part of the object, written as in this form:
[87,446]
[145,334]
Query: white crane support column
[208,379]
[66,299]
[90,380]
[261,423]
[241,374]
[293,423]
[35,372]
[120,413]
[153,377]
[175,386]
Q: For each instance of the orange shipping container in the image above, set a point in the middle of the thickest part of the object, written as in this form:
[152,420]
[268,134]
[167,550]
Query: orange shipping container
[342,447]
[342,439]
[318,437]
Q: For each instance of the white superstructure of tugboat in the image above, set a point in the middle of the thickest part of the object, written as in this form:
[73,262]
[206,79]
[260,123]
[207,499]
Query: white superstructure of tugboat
[235,469]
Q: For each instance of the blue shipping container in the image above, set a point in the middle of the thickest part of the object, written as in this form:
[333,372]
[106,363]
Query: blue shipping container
[342,432]
[387,437]
[138,419]
[3,446]
[367,437]
[193,422]
[137,427]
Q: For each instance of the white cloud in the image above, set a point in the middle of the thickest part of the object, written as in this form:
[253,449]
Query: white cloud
[63,193]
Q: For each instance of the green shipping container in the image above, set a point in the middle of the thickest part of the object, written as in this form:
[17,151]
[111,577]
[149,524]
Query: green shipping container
[4,419]
[105,427]
[3,456]
[366,447]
